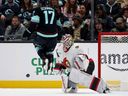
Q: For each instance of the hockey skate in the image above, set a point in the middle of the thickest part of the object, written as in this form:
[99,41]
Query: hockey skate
[107,90]
[71,90]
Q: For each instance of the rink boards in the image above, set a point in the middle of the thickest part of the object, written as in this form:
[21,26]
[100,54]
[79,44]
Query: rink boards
[21,66]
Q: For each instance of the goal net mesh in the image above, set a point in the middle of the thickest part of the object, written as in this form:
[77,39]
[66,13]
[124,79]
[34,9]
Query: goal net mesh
[113,59]
[114,39]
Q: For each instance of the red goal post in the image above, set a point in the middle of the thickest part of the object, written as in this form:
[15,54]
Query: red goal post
[113,59]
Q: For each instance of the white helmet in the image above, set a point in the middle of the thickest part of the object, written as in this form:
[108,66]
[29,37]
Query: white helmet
[67,41]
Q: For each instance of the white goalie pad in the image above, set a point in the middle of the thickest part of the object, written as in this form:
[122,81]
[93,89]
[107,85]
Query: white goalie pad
[77,76]
[87,80]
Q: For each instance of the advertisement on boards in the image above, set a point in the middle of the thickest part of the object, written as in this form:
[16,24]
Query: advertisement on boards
[19,61]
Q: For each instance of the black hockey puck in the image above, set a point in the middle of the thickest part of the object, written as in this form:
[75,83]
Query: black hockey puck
[27,75]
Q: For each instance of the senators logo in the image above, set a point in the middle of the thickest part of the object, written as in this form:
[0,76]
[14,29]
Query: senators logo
[66,62]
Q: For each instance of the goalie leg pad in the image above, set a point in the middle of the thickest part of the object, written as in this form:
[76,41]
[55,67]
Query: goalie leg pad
[67,85]
[87,80]
[78,77]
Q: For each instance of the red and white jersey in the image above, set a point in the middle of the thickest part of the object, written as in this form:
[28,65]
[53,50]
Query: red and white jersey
[70,57]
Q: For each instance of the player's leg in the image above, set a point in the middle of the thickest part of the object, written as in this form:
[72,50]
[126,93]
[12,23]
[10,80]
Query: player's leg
[41,54]
[52,42]
[72,87]
[88,80]
[39,44]
[49,56]
[67,85]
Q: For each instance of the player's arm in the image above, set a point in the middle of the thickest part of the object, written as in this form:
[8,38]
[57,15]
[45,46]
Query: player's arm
[34,23]
[60,62]
[83,63]
[35,19]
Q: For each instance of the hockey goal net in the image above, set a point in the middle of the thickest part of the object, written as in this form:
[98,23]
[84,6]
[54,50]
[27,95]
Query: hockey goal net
[113,59]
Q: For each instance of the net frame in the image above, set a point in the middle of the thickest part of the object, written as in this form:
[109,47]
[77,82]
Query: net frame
[99,46]
[110,34]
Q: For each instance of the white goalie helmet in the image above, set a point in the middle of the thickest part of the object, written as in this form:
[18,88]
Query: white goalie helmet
[67,41]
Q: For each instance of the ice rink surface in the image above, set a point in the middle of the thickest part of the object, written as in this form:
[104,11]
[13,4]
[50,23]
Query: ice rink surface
[55,92]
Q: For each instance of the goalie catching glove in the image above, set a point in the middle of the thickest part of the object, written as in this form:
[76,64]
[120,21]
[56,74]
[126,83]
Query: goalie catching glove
[58,68]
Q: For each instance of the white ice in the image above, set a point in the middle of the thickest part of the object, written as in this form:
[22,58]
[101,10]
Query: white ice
[55,92]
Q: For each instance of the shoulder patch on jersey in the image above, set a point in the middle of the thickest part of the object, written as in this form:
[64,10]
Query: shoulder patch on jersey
[35,19]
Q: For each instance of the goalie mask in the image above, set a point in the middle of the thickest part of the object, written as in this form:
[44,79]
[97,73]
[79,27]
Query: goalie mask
[67,41]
